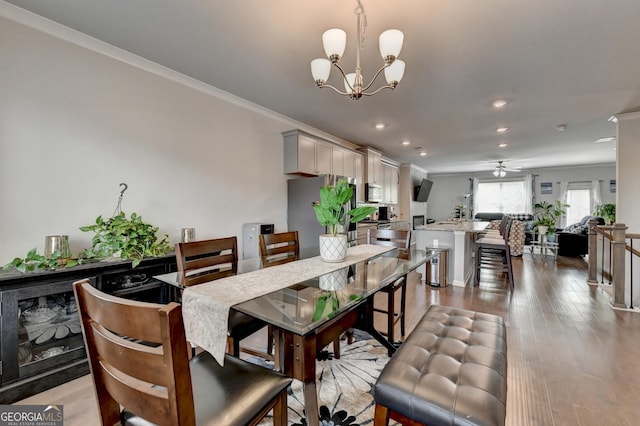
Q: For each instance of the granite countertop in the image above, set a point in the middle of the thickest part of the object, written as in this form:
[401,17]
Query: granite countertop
[369,221]
[454,225]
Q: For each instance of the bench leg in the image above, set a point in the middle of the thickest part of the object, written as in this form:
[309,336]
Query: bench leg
[381,416]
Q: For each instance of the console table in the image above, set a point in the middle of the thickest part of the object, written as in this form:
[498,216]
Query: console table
[42,343]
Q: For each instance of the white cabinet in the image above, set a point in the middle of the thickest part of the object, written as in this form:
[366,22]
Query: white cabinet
[338,162]
[306,154]
[389,183]
[359,175]
[373,169]
[349,164]
[324,157]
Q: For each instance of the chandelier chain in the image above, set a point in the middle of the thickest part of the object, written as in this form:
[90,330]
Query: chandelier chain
[362,31]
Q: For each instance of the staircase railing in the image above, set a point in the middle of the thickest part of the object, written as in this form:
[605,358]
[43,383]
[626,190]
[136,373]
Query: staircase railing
[615,245]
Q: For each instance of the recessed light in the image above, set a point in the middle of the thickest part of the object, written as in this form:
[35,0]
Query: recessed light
[423,154]
[606,139]
[613,119]
[502,129]
[380,126]
[503,145]
[405,143]
[561,127]
[499,103]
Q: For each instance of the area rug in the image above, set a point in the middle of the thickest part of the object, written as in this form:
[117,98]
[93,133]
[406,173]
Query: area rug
[344,386]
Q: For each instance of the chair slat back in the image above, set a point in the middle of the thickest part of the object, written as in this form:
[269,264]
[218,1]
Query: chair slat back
[276,249]
[138,357]
[207,260]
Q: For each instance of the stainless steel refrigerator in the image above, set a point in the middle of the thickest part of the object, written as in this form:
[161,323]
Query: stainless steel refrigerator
[301,217]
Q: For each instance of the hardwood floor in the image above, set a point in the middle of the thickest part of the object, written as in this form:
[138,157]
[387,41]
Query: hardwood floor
[572,359]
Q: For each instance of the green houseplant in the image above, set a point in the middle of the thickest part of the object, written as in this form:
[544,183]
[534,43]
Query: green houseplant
[34,261]
[547,214]
[607,212]
[126,238]
[331,211]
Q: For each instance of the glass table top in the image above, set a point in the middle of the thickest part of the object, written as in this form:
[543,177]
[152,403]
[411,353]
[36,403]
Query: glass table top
[305,306]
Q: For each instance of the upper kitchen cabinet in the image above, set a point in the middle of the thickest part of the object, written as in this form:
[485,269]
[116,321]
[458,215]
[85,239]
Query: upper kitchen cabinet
[373,168]
[305,154]
[308,155]
[390,181]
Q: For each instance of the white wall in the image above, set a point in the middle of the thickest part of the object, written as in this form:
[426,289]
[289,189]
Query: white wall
[448,189]
[75,123]
[628,205]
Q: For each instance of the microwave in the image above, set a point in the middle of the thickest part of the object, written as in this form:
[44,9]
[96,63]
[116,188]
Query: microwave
[373,192]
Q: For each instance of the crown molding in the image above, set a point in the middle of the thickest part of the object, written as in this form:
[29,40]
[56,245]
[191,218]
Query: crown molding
[628,116]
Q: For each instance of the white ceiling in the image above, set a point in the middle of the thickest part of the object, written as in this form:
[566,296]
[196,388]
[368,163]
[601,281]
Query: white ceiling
[572,62]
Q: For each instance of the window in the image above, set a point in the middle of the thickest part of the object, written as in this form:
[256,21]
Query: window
[579,201]
[503,197]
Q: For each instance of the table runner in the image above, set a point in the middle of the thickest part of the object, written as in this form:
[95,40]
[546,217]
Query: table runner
[205,307]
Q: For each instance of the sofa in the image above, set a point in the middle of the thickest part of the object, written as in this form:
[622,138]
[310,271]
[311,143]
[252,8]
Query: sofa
[573,240]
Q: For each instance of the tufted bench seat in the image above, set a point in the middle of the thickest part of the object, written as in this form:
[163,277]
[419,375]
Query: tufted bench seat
[450,370]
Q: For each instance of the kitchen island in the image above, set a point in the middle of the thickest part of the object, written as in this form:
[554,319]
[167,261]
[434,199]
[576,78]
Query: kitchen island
[458,237]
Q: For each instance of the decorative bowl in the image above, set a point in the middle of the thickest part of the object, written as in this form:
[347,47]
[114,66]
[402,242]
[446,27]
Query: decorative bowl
[43,313]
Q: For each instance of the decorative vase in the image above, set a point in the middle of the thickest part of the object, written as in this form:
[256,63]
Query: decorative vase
[542,232]
[333,248]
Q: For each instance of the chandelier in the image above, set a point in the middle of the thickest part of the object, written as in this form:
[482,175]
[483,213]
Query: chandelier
[334,41]
[500,170]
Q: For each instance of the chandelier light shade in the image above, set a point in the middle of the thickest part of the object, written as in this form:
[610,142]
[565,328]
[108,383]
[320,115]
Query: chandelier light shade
[391,44]
[335,41]
[394,72]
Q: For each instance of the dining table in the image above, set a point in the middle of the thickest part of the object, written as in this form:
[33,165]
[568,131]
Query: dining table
[309,304]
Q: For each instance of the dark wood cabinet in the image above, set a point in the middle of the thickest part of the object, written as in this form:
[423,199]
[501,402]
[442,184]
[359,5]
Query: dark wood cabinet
[42,344]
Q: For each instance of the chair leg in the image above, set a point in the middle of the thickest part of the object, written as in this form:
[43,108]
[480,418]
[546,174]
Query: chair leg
[336,348]
[477,277]
[381,416]
[509,269]
[391,304]
[270,339]
[403,303]
[233,347]
[280,410]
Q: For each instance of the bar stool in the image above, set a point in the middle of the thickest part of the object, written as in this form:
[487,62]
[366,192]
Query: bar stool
[494,253]
[402,240]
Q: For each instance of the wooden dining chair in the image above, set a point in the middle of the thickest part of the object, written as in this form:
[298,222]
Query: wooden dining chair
[401,239]
[209,260]
[139,361]
[277,249]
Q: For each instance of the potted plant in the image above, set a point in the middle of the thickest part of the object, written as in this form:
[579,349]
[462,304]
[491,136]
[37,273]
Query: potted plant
[607,212]
[126,238]
[331,211]
[547,214]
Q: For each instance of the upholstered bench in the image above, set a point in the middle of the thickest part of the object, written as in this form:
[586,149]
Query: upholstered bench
[450,370]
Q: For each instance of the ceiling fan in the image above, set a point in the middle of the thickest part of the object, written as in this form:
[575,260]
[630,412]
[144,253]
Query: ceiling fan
[501,170]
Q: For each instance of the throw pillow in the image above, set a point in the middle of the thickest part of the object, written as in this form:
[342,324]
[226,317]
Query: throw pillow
[576,228]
